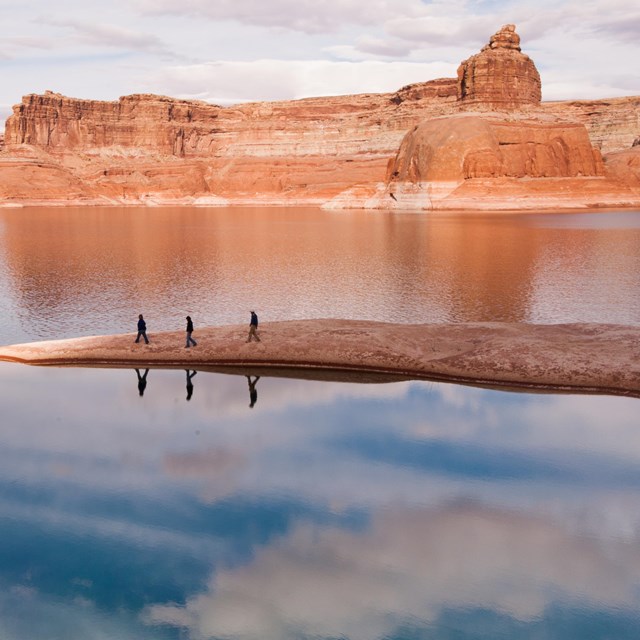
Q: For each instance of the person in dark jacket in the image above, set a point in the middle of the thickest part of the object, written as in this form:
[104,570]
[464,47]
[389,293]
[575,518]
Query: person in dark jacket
[142,329]
[190,340]
[253,327]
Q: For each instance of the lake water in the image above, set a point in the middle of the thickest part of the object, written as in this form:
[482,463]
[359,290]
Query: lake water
[168,505]
[70,272]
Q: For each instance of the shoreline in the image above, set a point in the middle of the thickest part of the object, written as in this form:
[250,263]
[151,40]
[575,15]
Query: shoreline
[576,358]
[542,205]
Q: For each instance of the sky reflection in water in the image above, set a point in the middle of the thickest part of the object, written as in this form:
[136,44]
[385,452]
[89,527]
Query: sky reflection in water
[405,511]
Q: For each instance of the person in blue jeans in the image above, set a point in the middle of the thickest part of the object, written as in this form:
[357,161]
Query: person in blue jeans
[190,340]
[142,330]
[253,328]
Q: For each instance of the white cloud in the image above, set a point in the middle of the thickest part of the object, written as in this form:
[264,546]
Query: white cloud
[583,50]
[308,16]
[109,35]
[228,81]
[380,47]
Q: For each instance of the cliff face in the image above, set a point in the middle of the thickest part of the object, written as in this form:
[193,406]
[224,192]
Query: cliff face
[188,129]
[487,124]
[613,124]
[459,148]
[157,149]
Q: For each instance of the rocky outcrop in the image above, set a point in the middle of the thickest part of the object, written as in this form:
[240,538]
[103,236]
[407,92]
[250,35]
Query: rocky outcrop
[625,166]
[344,151]
[461,147]
[470,161]
[500,76]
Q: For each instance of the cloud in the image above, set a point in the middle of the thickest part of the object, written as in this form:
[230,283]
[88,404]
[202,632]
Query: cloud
[308,16]
[29,42]
[228,81]
[623,26]
[379,47]
[11,44]
[430,30]
[109,35]
[409,565]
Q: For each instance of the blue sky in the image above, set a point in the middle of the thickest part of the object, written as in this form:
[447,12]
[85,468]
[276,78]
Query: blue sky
[242,50]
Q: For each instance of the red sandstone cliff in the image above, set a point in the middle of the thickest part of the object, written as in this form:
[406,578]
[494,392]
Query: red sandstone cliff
[441,137]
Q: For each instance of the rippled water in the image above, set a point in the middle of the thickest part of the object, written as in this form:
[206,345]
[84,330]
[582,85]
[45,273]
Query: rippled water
[175,505]
[363,512]
[66,272]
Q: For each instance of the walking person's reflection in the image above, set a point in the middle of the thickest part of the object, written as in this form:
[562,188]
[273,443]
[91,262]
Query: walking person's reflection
[253,392]
[189,383]
[142,381]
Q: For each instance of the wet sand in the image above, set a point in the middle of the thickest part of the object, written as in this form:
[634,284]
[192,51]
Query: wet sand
[599,358]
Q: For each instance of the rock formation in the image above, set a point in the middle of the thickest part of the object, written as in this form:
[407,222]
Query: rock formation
[442,137]
[500,75]
[457,148]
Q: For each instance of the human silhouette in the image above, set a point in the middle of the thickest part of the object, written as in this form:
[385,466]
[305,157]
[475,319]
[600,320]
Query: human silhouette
[142,330]
[189,383]
[253,328]
[253,392]
[142,381]
[190,340]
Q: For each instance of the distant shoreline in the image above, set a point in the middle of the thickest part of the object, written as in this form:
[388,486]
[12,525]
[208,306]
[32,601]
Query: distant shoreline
[544,205]
[581,358]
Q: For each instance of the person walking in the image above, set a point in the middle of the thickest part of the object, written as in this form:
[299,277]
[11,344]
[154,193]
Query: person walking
[253,328]
[190,340]
[142,330]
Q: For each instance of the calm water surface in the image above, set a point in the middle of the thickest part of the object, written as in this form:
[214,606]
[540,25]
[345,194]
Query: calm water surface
[68,272]
[168,505]
[362,512]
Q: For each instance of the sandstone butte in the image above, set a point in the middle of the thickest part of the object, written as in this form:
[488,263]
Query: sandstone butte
[570,357]
[482,140]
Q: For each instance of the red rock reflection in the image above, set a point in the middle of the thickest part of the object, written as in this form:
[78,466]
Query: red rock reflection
[83,271]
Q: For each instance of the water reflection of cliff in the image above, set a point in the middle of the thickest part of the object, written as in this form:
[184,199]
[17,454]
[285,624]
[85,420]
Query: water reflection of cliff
[75,271]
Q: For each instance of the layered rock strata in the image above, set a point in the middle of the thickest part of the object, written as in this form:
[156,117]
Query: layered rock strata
[458,148]
[346,151]
[574,357]
[500,76]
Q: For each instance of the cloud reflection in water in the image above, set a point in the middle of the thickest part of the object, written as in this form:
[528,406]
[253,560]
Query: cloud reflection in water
[328,510]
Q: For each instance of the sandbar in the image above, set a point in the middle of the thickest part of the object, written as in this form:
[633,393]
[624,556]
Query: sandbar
[583,357]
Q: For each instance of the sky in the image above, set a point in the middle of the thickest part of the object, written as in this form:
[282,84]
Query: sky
[231,51]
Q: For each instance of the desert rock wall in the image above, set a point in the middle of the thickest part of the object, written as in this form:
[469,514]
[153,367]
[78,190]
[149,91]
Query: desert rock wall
[417,147]
[613,124]
[369,124]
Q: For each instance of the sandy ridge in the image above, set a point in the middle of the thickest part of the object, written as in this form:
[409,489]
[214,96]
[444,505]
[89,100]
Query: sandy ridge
[578,357]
